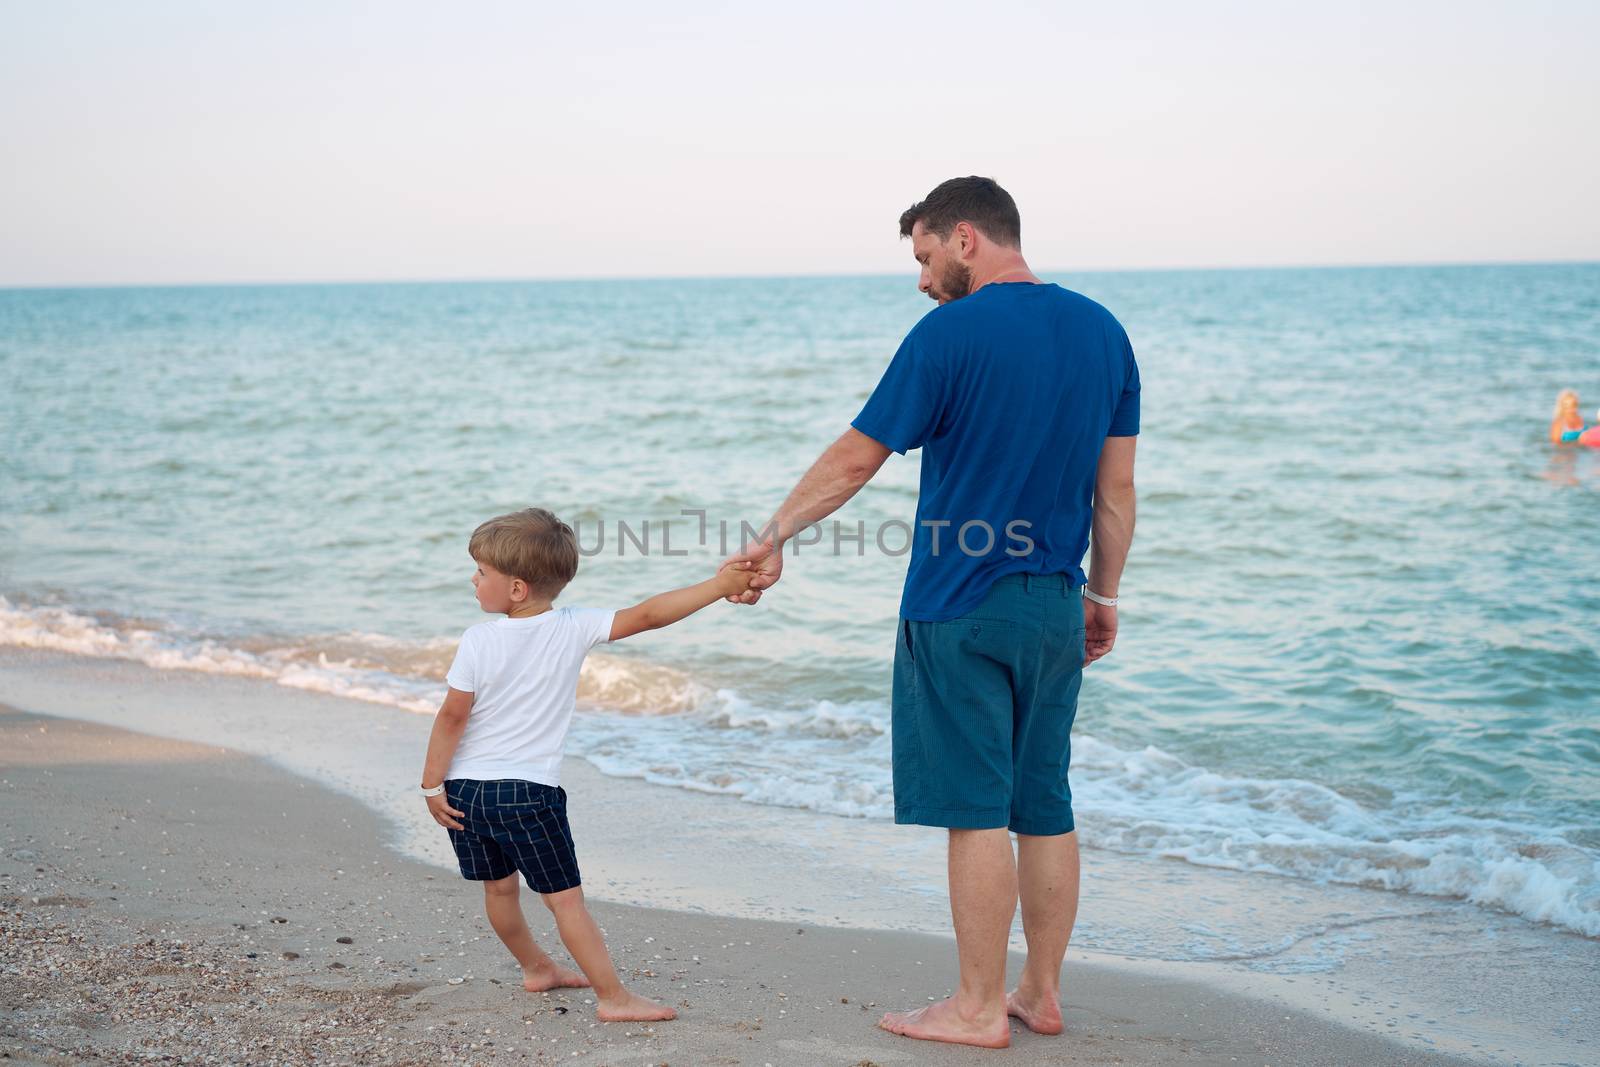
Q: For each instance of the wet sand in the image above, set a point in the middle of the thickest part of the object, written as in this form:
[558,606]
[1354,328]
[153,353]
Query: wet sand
[163,898]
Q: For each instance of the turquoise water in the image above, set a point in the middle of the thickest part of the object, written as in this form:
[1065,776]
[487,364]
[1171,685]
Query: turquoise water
[1360,637]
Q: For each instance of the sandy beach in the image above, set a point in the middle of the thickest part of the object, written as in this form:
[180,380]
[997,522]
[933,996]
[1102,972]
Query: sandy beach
[361,358]
[164,899]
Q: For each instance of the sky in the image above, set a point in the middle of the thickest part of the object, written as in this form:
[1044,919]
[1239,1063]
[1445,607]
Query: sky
[169,143]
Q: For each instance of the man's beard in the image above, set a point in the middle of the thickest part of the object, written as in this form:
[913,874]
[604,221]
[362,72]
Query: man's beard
[954,283]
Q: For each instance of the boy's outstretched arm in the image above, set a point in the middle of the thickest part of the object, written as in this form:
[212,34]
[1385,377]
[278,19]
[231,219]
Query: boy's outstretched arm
[664,609]
[448,726]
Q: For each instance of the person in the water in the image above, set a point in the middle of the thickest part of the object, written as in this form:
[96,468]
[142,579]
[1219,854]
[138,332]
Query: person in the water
[1567,426]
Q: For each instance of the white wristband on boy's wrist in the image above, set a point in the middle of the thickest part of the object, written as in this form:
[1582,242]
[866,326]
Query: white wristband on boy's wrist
[1106,601]
[435,791]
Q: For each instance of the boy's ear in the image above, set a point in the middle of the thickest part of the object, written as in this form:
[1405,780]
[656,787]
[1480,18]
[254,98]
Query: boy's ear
[519,589]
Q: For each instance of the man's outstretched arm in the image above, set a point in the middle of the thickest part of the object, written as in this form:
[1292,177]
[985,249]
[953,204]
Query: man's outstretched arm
[836,476]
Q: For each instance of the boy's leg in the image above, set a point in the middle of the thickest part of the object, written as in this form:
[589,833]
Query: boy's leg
[531,828]
[502,901]
[581,934]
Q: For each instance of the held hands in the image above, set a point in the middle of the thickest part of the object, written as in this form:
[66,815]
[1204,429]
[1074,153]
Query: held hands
[734,577]
[443,814]
[1099,630]
[765,563]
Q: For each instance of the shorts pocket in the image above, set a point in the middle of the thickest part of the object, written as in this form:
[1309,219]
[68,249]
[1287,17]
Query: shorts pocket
[906,648]
[525,797]
[522,822]
[982,620]
[530,805]
[970,635]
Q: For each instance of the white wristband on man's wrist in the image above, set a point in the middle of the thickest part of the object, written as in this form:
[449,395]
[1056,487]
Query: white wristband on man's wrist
[1107,601]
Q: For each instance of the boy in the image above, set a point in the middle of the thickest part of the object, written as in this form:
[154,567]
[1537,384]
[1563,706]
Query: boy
[492,776]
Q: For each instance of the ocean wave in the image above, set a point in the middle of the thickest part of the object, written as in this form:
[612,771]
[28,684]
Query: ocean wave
[637,687]
[809,786]
[1149,802]
[662,725]
[358,666]
[821,718]
[1142,802]
[296,666]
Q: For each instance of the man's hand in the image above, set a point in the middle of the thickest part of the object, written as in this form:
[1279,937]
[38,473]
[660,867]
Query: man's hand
[1099,630]
[766,567]
[443,814]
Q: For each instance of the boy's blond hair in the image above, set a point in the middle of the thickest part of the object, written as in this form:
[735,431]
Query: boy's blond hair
[531,544]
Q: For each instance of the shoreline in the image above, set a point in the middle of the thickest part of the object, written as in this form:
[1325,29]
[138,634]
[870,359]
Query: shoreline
[151,915]
[650,720]
[1432,974]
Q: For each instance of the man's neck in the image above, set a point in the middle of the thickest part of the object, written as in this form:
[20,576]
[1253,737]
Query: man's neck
[1013,269]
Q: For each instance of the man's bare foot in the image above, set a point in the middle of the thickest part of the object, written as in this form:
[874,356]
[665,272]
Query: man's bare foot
[944,1022]
[552,977]
[631,1007]
[1040,1014]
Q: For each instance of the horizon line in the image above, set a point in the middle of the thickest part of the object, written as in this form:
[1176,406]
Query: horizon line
[784,276]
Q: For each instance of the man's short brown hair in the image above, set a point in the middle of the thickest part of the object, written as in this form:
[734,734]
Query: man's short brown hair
[979,201]
[531,544]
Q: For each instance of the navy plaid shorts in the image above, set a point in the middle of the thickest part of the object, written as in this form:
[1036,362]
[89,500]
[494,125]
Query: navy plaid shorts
[511,825]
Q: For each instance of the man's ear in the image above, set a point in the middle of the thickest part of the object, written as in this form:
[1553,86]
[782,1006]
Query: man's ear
[966,236]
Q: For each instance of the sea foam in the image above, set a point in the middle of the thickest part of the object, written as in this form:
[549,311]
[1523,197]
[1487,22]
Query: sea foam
[656,723]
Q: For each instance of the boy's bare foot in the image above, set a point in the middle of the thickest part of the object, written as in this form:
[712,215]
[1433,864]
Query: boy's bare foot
[552,977]
[631,1007]
[1040,1014]
[944,1022]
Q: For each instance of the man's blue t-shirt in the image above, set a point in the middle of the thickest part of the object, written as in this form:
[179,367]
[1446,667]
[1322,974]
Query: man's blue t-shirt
[1010,393]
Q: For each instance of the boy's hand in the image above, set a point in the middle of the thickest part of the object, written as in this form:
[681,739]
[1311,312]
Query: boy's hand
[735,578]
[443,814]
[766,564]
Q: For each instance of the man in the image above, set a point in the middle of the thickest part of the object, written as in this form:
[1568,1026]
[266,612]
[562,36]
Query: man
[1025,400]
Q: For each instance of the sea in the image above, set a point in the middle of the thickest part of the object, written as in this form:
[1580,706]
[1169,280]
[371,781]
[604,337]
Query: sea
[1360,632]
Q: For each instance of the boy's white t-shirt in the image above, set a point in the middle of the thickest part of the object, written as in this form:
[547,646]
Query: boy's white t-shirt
[523,674]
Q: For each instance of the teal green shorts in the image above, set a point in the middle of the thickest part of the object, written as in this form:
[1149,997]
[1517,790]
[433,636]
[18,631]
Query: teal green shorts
[983,710]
